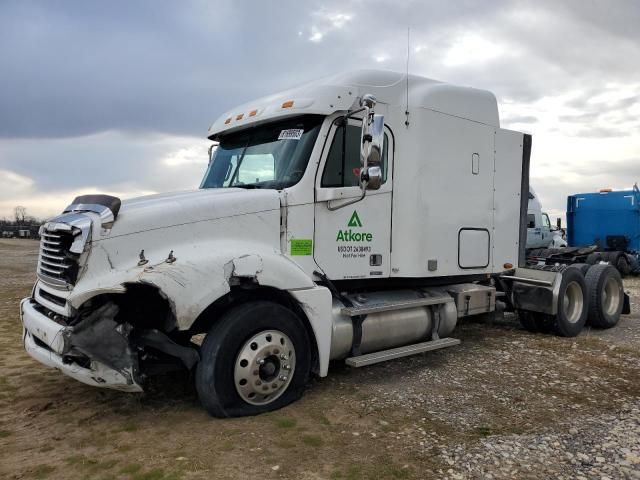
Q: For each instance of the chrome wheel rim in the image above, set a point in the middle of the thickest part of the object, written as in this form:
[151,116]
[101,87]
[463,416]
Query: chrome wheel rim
[611,296]
[264,367]
[573,302]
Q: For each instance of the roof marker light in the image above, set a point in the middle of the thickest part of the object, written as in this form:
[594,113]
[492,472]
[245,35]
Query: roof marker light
[240,116]
[287,104]
[253,113]
[227,121]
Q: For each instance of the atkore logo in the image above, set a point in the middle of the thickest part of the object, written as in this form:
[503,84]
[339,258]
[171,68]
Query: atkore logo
[354,221]
[351,236]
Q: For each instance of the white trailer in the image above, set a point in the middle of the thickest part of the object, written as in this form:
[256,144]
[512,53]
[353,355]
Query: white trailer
[335,221]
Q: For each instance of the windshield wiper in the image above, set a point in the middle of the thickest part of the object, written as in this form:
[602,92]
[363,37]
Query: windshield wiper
[248,186]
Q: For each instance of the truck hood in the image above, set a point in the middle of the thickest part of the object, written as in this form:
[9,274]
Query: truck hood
[165,210]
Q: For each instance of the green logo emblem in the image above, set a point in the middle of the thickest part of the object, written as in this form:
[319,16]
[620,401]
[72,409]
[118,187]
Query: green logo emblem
[354,221]
[351,236]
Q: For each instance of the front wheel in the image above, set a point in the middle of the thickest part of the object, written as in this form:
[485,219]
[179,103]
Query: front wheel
[254,360]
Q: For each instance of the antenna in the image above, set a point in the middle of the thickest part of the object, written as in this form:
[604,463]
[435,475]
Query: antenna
[406,112]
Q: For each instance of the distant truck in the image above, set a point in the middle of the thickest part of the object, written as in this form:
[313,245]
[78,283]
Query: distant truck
[541,233]
[611,221]
[602,227]
[329,226]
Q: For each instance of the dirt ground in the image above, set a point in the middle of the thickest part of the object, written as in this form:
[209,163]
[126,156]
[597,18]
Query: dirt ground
[472,411]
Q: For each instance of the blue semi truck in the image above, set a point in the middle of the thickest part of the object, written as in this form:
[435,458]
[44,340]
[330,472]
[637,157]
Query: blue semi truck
[602,226]
[611,221]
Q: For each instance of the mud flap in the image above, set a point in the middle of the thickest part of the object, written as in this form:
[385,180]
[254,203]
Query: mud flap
[626,307]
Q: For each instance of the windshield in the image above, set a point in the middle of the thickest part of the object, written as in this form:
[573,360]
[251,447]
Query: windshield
[274,155]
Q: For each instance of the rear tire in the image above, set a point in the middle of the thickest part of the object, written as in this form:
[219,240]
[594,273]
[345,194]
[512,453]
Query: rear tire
[527,320]
[606,296]
[593,258]
[256,359]
[535,322]
[623,265]
[572,304]
[583,267]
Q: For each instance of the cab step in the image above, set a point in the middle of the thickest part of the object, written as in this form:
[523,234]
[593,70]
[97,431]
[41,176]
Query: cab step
[384,355]
[397,305]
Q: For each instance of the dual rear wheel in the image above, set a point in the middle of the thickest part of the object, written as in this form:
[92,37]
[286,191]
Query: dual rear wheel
[595,298]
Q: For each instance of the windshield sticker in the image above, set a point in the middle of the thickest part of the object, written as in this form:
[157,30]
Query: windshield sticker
[291,134]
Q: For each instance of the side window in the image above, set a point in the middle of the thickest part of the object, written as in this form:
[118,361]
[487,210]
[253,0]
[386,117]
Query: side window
[545,220]
[336,174]
[531,220]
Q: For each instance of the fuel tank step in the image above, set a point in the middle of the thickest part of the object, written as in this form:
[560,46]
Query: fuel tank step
[392,353]
[397,305]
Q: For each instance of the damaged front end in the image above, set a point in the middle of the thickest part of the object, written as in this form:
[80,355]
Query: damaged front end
[100,362]
[104,344]
[111,340]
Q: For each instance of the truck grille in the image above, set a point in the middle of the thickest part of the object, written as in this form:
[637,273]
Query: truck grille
[57,264]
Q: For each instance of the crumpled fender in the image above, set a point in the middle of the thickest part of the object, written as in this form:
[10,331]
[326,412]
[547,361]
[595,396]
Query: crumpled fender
[194,280]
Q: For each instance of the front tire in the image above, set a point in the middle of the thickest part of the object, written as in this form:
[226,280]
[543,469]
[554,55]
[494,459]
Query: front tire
[255,359]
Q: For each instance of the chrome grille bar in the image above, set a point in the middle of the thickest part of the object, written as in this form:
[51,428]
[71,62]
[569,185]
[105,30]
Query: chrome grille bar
[51,257]
[49,271]
[49,242]
[56,265]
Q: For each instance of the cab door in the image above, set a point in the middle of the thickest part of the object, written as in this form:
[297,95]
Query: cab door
[352,241]
[534,233]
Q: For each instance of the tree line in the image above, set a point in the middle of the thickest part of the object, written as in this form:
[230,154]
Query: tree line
[21,220]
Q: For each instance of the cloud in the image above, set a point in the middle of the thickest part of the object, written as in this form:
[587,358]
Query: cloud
[117,96]
[325,22]
[519,119]
[45,175]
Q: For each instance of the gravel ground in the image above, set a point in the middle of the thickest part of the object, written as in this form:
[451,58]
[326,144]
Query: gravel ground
[504,404]
[604,447]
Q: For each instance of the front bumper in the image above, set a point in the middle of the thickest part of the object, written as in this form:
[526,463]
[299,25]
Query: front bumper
[44,341]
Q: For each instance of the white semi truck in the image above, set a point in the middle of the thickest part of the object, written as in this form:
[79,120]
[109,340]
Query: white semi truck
[540,232]
[354,219]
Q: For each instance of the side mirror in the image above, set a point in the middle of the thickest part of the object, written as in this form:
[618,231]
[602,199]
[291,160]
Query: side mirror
[376,145]
[373,177]
[371,149]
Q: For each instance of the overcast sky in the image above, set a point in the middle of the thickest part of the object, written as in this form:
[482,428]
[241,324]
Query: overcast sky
[116,97]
